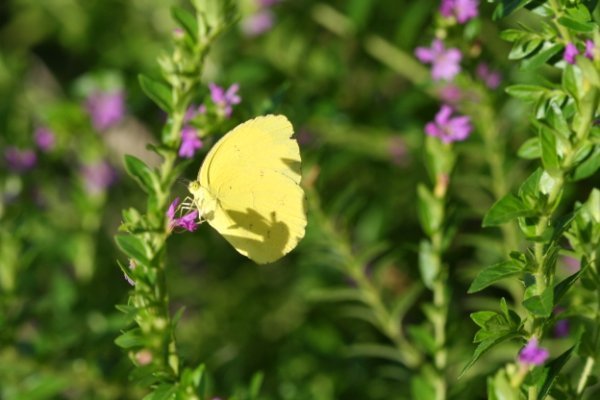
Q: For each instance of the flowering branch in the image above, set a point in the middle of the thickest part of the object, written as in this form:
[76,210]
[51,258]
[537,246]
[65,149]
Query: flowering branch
[152,343]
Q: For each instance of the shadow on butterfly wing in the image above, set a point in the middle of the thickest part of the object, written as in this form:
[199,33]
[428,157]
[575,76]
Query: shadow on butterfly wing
[273,235]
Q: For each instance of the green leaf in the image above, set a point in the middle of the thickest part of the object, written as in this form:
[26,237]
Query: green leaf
[422,336]
[549,153]
[429,265]
[590,72]
[510,35]
[159,92]
[540,305]
[530,149]
[547,51]
[186,20]
[507,7]
[575,25]
[484,346]
[506,209]
[553,369]
[133,247]
[129,339]
[481,318]
[422,388]
[493,274]
[255,385]
[527,92]
[164,391]
[141,173]
[430,210]
[563,286]
[524,47]
[571,80]
[588,167]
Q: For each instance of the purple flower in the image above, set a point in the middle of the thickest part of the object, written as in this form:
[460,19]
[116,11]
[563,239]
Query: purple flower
[445,62]
[463,10]
[561,327]
[590,49]
[447,128]
[571,264]
[98,177]
[20,160]
[44,138]
[450,93]
[491,78]
[106,109]
[258,23]
[570,53]
[190,142]
[397,150]
[225,99]
[187,222]
[532,354]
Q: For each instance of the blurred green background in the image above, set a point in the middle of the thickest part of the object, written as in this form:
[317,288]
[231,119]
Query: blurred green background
[359,117]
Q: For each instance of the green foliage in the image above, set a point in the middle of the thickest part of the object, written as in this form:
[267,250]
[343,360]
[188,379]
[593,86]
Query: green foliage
[373,304]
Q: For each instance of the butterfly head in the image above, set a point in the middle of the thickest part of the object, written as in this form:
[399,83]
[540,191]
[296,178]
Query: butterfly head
[203,200]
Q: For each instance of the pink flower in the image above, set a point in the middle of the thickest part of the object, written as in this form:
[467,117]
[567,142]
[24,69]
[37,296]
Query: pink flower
[258,23]
[447,128]
[570,53]
[463,10]
[106,109]
[225,99]
[20,160]
[445,62]
[450,93]
[44,138]
[590,49]
[532,354]
[98,177]
[491,78]
[190,142]
[187,222]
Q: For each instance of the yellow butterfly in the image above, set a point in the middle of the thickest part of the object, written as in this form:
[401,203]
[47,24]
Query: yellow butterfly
[248,189]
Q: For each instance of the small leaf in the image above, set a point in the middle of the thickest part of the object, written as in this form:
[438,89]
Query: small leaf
[540,305]
[429,265]
[256,384]
[571,80]
[590,72]
[506,209]
[588,167]
[493,274]
[133,247]
[186,20]
[547,51]
[575,25]
[129,339]
[530,149]
[422,336]
[484,347]
[140,172]
[430,210]
[527,92]
[549,153]
[159,92]
[524,47]
[553,369]
[563,286]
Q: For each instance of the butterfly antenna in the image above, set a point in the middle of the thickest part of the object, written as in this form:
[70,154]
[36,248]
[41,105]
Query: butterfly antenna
[184,181]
